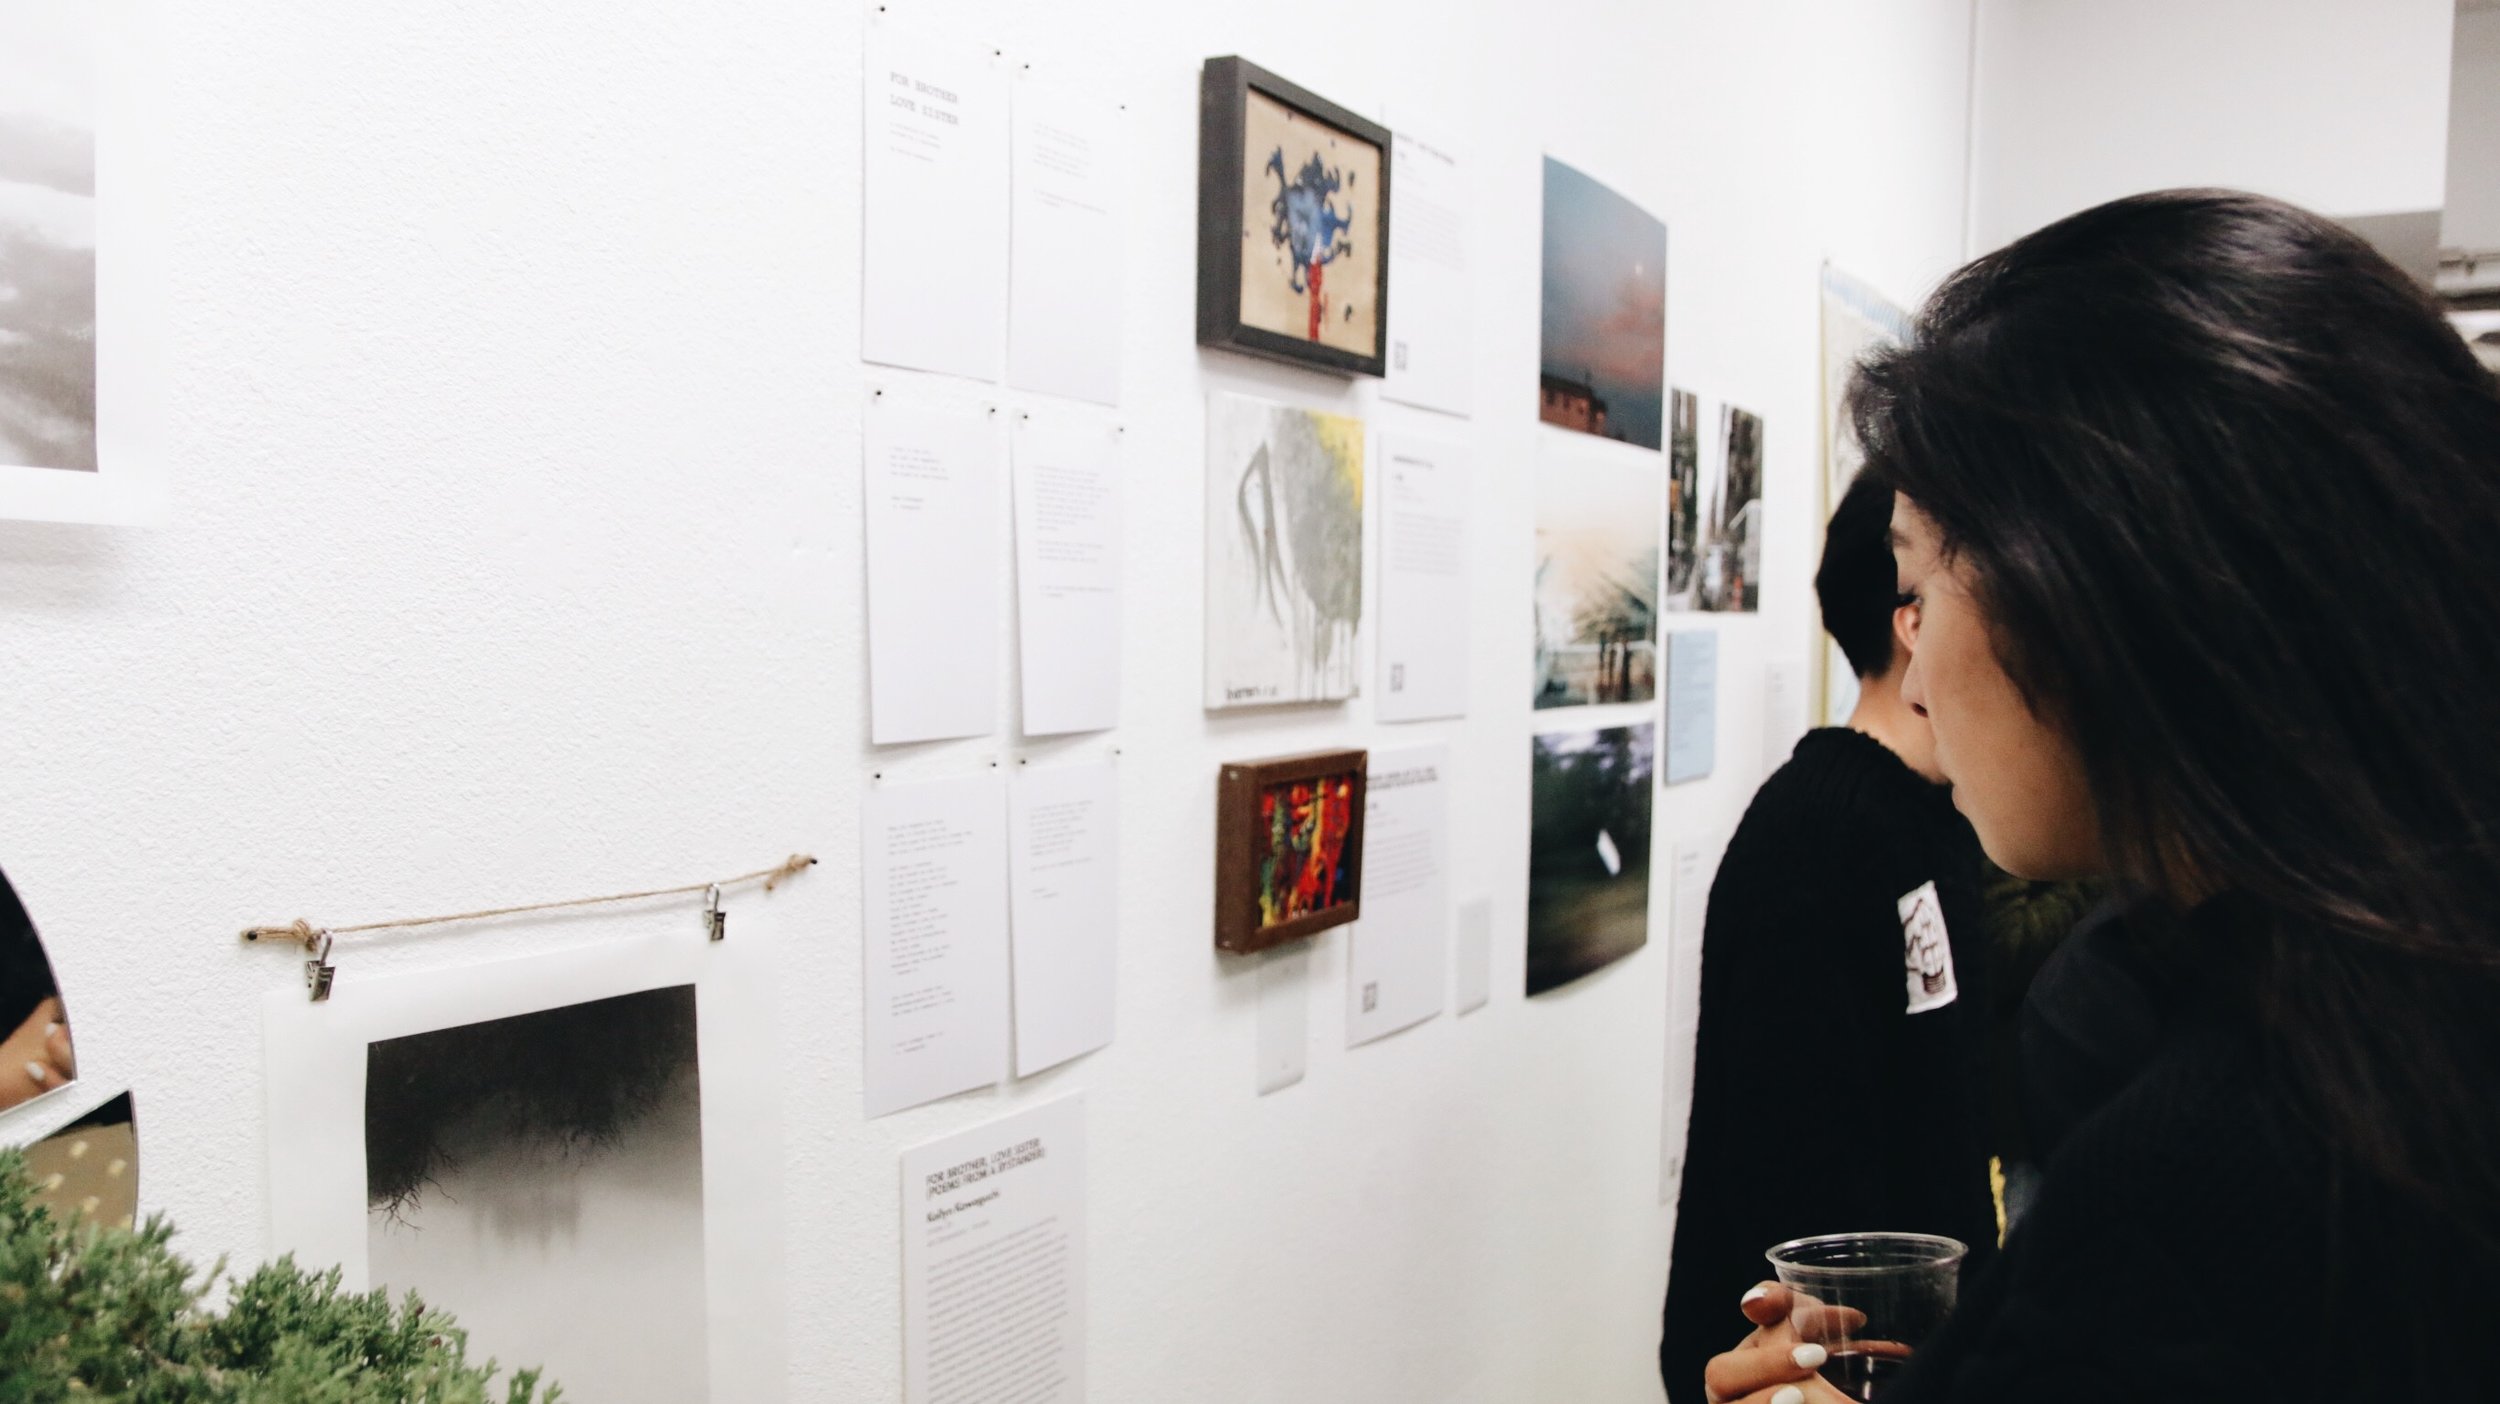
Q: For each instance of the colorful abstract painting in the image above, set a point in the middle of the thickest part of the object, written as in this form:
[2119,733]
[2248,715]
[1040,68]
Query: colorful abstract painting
[1303,867]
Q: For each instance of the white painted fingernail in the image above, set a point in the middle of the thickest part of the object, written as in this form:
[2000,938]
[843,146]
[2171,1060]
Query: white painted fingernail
[1755,1295]
[1789,1394]
[38,1073]
[1809,1356]
[50,1029]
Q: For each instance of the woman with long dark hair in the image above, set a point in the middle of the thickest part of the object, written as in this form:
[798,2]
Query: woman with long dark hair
[2199,501]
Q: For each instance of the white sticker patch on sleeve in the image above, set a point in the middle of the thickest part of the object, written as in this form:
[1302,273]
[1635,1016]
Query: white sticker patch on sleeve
[1926,950]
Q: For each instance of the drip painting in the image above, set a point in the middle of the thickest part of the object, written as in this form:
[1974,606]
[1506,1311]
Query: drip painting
[1284,565]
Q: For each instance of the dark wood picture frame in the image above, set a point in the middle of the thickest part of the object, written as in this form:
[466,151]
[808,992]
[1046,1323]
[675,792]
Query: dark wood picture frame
[1240,839]
[1224,92]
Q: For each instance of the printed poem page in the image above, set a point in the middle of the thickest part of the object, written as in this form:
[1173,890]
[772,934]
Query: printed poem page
[1068,552]
[1063,826]
[1067,258]
[934,865]
[933,251]
[933,576]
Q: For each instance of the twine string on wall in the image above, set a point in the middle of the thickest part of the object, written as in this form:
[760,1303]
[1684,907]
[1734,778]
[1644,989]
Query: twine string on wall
[319,973]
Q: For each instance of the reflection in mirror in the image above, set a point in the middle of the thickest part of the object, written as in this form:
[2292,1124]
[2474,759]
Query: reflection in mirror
[90,1168]
[35,1055]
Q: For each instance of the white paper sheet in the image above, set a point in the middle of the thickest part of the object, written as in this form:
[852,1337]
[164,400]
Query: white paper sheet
[994,1261]
[1070,548]
[1474,957]
[1063,843]
[1692,704]
[934,867]
[1067,284]
[1427,507]
[934,514]
[933,246]
[1430,345]
[1696,862]
[1398,948]
[315,1063]
[1284,1015]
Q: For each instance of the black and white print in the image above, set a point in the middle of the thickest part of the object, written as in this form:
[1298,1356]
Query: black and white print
[47,235]
[541,1177]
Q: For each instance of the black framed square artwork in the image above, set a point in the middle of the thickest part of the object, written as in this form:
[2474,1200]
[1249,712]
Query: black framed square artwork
[1293,223]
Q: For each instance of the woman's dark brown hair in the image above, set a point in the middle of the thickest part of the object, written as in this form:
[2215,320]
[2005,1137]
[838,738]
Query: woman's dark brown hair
[2230,488]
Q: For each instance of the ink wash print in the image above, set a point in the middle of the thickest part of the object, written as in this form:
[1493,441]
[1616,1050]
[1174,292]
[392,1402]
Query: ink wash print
[1284,532]
[47,236]
[541,1177]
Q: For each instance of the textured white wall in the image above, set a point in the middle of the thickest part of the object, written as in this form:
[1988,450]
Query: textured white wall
[514,434]
[2340,105]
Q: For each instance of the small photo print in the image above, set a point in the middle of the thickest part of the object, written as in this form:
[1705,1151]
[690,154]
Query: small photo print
[541,1178]
[1603,336]
[1596,583]
[1728,568]
[1588,850]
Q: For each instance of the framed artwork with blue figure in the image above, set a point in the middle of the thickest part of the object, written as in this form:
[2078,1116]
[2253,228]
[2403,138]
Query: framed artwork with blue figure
[1293,223]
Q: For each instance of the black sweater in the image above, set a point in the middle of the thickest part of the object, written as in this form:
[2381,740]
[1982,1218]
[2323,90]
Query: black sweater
[2194,1239]
[1820,1103]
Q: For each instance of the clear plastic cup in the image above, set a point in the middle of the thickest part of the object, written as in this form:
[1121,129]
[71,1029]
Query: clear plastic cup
[1869,1299]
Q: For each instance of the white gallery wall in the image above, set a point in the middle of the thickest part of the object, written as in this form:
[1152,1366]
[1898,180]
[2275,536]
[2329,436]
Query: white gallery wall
[514,433]
[2339,105]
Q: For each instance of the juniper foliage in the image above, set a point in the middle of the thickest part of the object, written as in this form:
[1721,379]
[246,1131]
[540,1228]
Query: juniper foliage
[107,1314]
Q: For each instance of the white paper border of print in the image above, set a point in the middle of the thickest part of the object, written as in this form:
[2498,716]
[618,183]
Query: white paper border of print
[315,1076]
[130,484]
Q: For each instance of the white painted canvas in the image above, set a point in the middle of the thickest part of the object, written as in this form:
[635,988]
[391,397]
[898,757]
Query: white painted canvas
[1284,553]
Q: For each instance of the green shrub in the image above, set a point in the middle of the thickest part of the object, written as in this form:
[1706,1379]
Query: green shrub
[92,1313]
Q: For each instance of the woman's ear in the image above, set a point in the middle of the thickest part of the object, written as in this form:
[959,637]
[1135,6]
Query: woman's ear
[1905,629]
